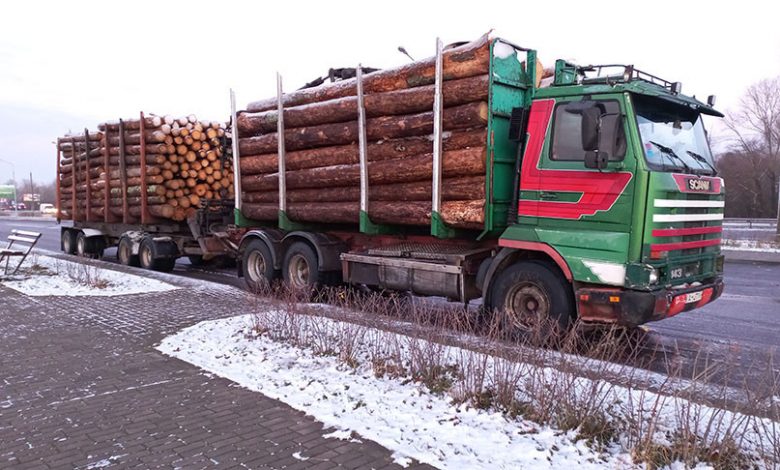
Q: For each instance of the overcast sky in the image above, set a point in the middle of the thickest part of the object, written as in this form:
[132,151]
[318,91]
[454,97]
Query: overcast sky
[69,65]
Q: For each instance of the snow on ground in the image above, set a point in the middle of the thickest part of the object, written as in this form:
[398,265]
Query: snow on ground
[404,417]
[47,276]
[751,245]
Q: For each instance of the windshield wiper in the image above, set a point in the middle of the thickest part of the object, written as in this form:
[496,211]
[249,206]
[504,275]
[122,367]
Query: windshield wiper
[701,160]
[668,151]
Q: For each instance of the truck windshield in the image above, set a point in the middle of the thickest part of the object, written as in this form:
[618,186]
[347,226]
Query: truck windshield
[673,137]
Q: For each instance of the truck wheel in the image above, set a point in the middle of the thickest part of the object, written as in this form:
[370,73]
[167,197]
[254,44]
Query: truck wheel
[150,258]
[301,267]
[124,253]
[89,247]
[257,266]
[196,260]
[69,242]
[530,295]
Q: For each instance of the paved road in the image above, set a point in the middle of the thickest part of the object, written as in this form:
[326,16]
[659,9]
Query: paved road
[82,387]
[746,318]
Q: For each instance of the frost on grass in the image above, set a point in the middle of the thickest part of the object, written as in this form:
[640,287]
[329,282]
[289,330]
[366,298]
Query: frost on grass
[402,415]
[456,408]
[47,276]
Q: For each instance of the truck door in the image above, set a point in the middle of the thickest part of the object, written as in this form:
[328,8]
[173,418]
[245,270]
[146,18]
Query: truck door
[584,213]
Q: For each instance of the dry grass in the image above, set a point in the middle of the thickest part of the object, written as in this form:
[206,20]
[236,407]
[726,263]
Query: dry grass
[585,381]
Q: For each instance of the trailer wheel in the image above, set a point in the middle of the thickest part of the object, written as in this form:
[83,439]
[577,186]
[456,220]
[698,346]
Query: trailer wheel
[196,260]
[257,266]
[531,297]
[150,257]
[124,253]
[89,247]
[69,242]
[301,266]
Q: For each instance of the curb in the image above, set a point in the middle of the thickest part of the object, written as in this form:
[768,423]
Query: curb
[745,255]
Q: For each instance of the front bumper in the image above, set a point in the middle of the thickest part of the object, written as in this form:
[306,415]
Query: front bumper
[633,307]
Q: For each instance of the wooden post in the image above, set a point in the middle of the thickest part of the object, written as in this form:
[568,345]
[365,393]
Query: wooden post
[362,143]
[73,208]
[57,182]
[280,144]
[88,204]
[123,172]
[236,156]
[144,197]
[107,215]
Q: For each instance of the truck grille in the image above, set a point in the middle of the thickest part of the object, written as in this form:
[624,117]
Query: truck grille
[686,227]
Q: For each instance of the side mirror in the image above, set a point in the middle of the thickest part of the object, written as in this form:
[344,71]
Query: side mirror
[610,132]
[596,160]
[591,120]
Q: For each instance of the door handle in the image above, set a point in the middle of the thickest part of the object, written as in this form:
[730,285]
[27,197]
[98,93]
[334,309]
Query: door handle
[548,196]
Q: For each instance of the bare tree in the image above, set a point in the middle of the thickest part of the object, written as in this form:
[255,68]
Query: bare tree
[755,127]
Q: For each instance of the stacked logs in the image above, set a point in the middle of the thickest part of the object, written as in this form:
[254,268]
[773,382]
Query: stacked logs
[81,164]
[322,170]
[184,160]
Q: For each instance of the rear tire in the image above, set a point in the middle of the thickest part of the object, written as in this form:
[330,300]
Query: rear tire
[301,266]
[257,266]
[69,242]
[82,248]
[149,256]
[124,253]
[196,260]
[531,296]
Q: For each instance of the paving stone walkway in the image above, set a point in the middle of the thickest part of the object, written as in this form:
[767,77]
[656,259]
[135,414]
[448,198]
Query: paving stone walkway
[82,387]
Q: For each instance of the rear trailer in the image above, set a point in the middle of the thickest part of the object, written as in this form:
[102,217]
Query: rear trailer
[157,188]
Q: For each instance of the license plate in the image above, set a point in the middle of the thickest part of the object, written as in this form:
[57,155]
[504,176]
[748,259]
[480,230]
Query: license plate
[693,297]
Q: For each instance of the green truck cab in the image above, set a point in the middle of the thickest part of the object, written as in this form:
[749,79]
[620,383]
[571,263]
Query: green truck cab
[618,186]
[602,203]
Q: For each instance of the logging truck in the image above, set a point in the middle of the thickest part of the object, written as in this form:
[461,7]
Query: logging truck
[575,193]
[582,192]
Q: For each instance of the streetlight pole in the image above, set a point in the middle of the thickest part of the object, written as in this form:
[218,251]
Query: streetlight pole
[13,177]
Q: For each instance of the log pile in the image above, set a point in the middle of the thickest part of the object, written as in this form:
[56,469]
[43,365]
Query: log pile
[81,164]
[322,170]
[185,164]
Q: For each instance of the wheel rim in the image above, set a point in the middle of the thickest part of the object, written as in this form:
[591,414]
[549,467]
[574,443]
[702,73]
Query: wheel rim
[146,256]
[298,271]
[81,247]
[123,253]
[255,267]
[526,304]
[67,242]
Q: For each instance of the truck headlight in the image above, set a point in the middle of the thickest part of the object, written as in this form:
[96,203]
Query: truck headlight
[653,276]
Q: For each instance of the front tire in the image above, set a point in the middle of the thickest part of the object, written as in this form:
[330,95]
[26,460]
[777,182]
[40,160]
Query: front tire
[531,296]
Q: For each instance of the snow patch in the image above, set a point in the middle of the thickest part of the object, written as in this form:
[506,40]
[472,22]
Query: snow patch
[55,277]
[502,50]
[404,417]
[298,456]
[751,245]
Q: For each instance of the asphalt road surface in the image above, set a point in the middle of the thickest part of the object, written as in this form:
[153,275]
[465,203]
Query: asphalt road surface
[743,323]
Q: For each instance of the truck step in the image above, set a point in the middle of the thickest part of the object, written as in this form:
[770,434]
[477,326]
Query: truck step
[442,252]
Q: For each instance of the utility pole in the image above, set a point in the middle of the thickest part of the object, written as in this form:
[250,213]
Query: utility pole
[32,194]
[777,228]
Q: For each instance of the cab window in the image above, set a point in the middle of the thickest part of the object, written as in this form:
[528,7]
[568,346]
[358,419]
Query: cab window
[567,133]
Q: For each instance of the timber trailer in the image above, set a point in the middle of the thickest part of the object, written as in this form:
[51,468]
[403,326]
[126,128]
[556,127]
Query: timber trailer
[601,202]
